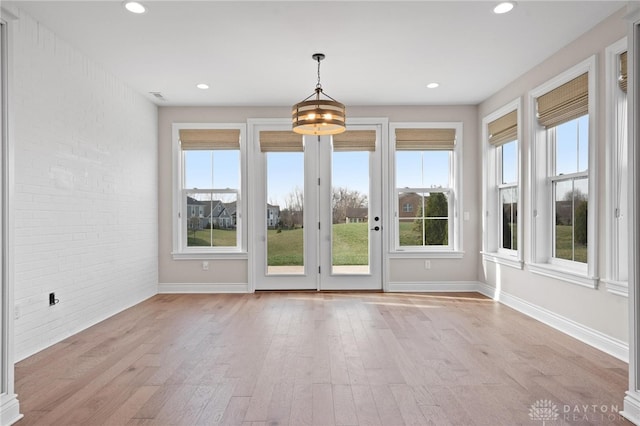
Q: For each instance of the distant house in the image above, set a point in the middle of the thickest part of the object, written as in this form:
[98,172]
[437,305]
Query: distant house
[357,215]
[196,217]
[232,212]
[409,204]
[207,214]
[273,216]
[219,216]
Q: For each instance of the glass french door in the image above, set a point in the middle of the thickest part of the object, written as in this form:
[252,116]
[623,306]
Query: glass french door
[318,209]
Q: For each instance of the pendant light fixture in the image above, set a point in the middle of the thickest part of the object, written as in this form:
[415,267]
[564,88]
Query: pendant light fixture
[318,116]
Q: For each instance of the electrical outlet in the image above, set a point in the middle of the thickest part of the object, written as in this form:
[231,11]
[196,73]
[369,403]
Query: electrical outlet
[16,312]
[427,264]
[205,265]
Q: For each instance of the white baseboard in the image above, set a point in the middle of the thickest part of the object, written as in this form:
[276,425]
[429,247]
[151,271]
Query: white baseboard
[164,288]
[433,286]
[632,407]
[9,409]
[595,338]
[34,349]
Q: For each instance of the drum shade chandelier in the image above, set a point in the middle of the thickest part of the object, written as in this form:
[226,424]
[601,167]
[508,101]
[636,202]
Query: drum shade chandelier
[318,116]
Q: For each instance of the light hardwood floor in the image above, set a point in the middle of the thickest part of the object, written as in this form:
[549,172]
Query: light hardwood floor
[299,358]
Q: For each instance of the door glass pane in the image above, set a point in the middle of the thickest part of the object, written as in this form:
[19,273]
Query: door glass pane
[284,213]
[350,213]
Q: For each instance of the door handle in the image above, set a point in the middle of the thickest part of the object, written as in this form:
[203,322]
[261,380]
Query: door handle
[375,228]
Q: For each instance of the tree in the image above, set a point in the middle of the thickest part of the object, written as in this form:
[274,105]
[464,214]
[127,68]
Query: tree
[293,212]
[436,231]
[579,200]
[343,199]
[506,227]
[194,224]
[581,227]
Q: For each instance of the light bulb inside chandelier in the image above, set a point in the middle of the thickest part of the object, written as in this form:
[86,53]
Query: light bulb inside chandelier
[321,115]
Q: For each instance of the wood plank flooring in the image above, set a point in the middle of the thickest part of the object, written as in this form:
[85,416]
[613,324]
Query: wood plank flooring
[308,358]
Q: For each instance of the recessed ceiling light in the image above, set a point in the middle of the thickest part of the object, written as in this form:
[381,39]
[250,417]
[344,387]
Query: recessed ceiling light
[134,7]
[504,7]
[433,85]
[202,86]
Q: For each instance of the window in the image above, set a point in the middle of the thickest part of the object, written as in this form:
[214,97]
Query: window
[502,189]
[209,186]
[508,195]
[569,180]
[617,169]
[427,187]
[563,169]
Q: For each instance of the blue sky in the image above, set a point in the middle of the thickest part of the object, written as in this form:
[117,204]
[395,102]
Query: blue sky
[572,146]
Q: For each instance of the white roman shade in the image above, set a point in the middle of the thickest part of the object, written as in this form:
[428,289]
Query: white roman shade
[355,140]
[205,139]
[425,139]
[280,141]
[564,103]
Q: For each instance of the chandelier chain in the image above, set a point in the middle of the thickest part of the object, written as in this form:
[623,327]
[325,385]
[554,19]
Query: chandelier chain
[318,85]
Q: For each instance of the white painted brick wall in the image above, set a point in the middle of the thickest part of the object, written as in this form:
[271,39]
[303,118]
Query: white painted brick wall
[86,221]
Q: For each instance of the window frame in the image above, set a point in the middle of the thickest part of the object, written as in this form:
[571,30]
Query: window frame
[613,246]
[492,249]
[180,250]
[541,154]
[454,248]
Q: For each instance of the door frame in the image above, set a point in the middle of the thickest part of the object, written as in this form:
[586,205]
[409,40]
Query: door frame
[311,279]
[257,235]
[337,282]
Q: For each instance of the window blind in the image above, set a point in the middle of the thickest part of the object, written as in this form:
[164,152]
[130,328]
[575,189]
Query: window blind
[564,103]
[622,79]
[355,140]
[504,129]
[280,141]
[425,139]
[203,139]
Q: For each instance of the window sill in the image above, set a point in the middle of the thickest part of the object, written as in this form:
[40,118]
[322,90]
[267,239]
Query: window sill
[502,259]
[426,254]
[620,288]
[563,274]
[231,255]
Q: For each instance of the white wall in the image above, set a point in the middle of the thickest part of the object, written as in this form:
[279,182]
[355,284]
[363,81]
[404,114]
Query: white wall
[85,190]
[595,311]
[404,273]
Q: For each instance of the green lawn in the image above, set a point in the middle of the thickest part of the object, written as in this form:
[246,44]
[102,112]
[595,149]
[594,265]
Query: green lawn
[412,236]
[350,245]
[221,238]
[285,248]
[563,245]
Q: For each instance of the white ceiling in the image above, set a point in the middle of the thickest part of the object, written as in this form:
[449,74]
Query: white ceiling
[378,53]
